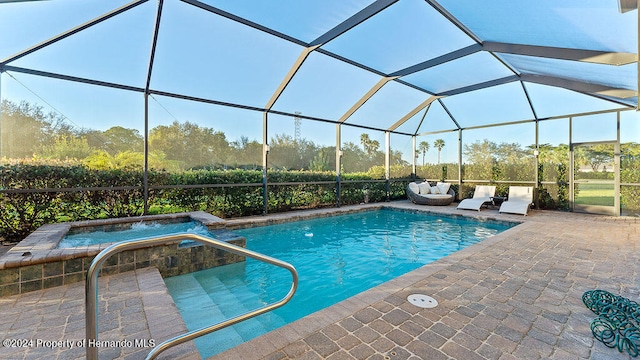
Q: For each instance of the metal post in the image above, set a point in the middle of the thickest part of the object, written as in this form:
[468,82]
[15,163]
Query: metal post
[536,154]
[154,42]
[265,154]
[616,165]
[387,162]
[571,165]
[338,162]
[145,174]
[1,142]
[459,164]
[414,154]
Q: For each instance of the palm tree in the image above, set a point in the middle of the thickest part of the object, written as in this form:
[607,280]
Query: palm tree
[423,147]
[370,146]
[439,144]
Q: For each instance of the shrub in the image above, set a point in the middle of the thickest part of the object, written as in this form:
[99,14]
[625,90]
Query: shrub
[41,194]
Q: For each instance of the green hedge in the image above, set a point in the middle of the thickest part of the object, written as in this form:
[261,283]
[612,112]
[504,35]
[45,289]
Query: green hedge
[23,212]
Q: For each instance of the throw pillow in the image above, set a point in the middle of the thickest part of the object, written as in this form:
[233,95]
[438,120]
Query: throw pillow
[424,188]
[443,188]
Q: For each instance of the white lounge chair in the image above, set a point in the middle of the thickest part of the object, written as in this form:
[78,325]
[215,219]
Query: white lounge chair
[519,200]
[481,195]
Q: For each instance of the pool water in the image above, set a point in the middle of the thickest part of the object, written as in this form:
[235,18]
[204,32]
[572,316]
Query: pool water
[136,231]
[336,257]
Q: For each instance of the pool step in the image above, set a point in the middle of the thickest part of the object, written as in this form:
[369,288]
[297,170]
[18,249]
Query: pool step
[198,310]
[235,299]
[214,295]
[234,278]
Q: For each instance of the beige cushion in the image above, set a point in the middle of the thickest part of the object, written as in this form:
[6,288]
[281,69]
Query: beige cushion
[443,188]
[435,190]
[424,188]
[414,187]
[437,196]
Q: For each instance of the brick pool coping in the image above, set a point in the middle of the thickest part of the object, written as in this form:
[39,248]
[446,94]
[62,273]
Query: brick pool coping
[36,263]
[251,221]
[41,245]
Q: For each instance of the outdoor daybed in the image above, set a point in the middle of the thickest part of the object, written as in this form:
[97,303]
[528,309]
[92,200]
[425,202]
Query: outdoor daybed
[425,194]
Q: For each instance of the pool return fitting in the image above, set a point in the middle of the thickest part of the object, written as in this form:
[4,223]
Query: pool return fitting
[423,301]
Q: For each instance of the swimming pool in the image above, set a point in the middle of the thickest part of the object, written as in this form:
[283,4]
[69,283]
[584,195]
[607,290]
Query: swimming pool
[336,257]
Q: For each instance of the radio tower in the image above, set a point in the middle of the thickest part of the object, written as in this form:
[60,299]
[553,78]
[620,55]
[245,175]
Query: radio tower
[296,122]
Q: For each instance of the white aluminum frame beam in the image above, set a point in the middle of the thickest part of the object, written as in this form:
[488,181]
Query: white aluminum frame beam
[579,86]
[292,72]
[591,56]
[627,5]
[365,98]
[413,112]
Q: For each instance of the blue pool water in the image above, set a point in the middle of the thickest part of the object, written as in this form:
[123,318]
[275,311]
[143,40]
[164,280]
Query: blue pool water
[136,231]
[336,257]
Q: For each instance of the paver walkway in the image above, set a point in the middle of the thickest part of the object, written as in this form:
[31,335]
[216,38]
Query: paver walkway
[516,295]
[134,309]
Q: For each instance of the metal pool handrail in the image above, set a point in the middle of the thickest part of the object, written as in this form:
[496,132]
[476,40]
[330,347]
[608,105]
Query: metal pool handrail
[91,289]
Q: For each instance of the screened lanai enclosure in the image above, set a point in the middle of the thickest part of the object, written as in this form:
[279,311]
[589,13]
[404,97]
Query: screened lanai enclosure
[116,108]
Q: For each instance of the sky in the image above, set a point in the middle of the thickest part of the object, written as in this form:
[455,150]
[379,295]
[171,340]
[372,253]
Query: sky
[206,56]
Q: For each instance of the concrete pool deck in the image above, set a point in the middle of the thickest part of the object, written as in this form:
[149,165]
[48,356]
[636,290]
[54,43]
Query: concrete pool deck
[516,295]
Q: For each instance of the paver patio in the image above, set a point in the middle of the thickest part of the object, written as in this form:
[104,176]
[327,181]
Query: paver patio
[516,295]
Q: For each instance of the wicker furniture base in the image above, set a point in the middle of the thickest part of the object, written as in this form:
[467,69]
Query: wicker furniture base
[433,201]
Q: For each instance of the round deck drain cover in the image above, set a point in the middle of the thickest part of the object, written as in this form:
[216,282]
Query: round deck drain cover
[423,301]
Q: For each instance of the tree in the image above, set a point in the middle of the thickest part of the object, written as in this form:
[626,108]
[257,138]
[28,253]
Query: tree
[24,128]
[630,151]
[290,153]
[114,140]
[423,147]
[119,139]
[552,154]
[598,155]
[480,152]
[511,153]
[353,158]
[321,161]
[67,147]
[439,144]
[370,146]
[191,144]
[246,153]
[131,160]
[395,158]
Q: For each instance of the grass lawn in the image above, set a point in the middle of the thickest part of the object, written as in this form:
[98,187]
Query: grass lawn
[594,194]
